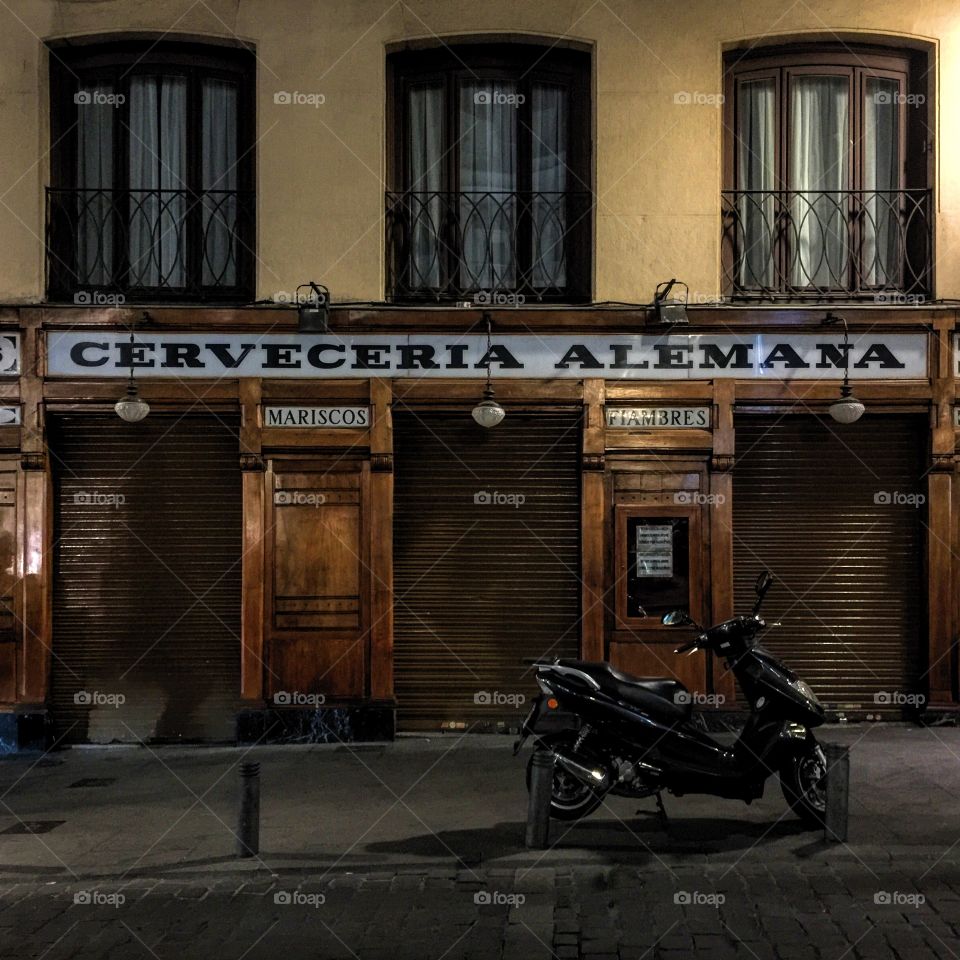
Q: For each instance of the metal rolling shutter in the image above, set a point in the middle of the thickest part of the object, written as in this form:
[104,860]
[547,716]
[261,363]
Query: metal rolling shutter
[147,577]
[480,586]
[848,568]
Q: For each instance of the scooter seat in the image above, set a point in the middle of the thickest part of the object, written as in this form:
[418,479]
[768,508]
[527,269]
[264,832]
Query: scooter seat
[658,695]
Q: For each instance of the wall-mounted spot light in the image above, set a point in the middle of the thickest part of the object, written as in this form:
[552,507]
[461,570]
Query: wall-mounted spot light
[669,310]
[313,309]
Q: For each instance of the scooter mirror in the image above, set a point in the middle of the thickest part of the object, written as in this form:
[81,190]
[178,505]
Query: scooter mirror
[763,583]
[675,618]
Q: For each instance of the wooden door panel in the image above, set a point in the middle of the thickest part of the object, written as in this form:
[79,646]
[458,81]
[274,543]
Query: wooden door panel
[317,601]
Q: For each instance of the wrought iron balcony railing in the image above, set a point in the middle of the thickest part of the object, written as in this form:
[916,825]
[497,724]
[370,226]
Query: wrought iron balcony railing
[845,244]
[149,245]
[489,246]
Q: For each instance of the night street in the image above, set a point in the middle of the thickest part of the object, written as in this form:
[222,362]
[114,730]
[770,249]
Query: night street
[416,850]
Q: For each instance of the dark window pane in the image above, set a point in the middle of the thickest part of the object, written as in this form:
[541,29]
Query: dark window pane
[658,565]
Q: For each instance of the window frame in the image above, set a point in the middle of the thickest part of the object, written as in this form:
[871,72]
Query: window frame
[859,63]
[73,66]
[448,66]
[696,601]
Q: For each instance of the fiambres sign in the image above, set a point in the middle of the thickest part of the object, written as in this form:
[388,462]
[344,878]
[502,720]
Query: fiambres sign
[808,356]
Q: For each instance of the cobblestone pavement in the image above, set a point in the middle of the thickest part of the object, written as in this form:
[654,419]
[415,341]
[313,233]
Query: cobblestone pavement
[843,909]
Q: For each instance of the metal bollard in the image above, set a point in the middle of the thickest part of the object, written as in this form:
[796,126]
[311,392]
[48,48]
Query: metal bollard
[248,818]
[538,800]
[838,792]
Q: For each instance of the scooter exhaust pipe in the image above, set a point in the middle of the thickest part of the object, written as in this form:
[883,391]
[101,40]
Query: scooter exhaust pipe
[592,774]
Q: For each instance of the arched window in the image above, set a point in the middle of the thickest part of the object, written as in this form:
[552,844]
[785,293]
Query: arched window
[490,168]
[152,193]
[827,173]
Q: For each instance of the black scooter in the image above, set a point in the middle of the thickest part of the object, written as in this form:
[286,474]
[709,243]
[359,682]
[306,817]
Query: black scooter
[635,737]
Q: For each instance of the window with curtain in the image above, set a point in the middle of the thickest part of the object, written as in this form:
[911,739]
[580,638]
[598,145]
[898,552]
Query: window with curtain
[491,177]
[827,184]
[152,193]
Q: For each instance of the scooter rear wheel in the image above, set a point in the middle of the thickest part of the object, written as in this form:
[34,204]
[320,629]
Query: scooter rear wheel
[570,798]
[803,781]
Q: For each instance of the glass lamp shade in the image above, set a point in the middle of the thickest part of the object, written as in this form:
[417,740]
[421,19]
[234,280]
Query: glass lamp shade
[848,409]
[131,408]
[488,413]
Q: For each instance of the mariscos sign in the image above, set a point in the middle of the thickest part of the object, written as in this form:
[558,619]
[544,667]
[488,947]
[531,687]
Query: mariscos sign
[808,356]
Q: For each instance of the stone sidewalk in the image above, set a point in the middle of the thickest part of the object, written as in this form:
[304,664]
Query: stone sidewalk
[414,849]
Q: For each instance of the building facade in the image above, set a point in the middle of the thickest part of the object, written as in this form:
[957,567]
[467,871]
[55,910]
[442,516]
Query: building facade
[309,536]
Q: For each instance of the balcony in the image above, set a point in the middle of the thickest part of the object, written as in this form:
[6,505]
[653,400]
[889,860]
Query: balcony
[489,247]
[109,246]
[842,245]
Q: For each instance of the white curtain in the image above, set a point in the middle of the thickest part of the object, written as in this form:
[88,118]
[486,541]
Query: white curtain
[881,174]
[95,131]
[488,181]
[549,181]
[219,173]
[819,164]
[756,159]
[157,171]
[425,164]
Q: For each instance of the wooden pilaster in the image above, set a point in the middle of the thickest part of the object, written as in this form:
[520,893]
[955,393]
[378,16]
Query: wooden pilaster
[941,630]
[253,569]
[381,540]
[721,524]
[593,574]
[35,553]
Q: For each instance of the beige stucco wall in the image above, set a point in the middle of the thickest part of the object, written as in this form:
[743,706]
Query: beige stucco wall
[320,170]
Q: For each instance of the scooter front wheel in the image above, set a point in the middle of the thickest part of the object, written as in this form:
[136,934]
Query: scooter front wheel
[570,798]
[803,781]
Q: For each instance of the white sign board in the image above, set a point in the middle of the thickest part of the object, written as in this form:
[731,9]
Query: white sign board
[323,417]
[658,418]
[9,416]
[655,550]
[874,355]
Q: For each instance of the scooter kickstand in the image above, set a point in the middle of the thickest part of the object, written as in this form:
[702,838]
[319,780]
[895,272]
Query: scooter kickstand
[661,810]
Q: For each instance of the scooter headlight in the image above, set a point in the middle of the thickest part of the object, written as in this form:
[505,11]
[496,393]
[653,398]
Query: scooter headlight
[804,690]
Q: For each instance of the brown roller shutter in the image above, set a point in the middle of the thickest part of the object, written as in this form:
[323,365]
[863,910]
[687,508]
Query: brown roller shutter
[482,579]
[147,577]
[808,503]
